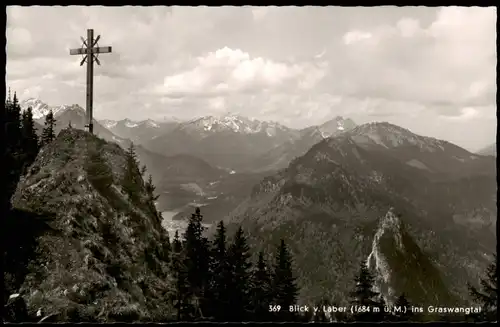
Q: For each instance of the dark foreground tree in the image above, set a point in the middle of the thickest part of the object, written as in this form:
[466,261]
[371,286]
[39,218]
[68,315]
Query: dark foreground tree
[284,285]
[219,275]
[261,296]
[364,297]
[487,296]
[401,310]
[240,265]
[48,132]
[131,181]
[13,154]
[29,139]
[196,261]
[182,295]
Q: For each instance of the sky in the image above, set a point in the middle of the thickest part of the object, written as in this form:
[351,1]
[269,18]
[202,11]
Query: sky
[429,69]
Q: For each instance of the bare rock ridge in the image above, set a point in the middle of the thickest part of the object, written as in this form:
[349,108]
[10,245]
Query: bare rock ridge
[400,264]
[107,260]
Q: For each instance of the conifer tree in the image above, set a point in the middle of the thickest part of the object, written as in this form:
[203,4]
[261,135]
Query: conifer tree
[320,315]
[239,261]
[130,181]
[181,294]
[150,189]
[284,286]
[197,262]
[401,314]
[487,297]
[13,160]
[261,295]
[29,139]
[220,275]
[365,298]
[48,132]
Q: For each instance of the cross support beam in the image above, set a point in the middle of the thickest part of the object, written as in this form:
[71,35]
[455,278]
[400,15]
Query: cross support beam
[83,51]
[90,52]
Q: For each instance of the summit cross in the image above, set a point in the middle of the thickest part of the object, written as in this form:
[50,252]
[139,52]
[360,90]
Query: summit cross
[90,51]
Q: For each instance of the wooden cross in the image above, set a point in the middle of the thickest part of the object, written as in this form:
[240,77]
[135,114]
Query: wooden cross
[91,53]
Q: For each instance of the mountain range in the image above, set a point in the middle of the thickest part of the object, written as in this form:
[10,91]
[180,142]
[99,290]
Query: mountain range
[334,204]
[420,211]
[490,150]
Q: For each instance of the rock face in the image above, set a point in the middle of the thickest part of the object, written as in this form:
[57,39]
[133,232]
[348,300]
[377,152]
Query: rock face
[331,206]
[108,257]
[399,264]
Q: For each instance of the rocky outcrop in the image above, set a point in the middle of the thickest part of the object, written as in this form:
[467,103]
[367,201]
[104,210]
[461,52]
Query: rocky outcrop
[108,257]
[400,266]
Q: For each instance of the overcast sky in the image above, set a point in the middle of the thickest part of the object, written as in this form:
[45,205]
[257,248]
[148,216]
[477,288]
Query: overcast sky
[432,70]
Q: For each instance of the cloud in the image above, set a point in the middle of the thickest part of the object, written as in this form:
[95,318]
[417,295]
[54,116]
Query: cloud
[419,67]
[449,61]
[227,71]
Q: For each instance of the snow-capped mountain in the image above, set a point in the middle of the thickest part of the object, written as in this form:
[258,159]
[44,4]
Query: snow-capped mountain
[235,123]
[230,141]
[40,109]
[280,156]
[335,126]
[138,131]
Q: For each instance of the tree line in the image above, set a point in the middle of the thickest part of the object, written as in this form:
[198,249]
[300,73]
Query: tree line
[19,227]
[22,142]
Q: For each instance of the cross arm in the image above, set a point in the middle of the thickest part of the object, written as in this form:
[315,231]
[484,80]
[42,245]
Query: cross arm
[82,51]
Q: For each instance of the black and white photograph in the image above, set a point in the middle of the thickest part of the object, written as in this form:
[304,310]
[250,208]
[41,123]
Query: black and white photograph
[249,164]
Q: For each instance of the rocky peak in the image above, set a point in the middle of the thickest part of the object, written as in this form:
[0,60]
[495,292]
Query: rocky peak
[107,258]
[401,266]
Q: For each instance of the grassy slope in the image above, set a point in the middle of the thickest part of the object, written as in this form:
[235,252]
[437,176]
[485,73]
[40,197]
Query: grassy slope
[93,267]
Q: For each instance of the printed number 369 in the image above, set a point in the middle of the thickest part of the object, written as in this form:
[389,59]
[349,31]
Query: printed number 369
[274,308]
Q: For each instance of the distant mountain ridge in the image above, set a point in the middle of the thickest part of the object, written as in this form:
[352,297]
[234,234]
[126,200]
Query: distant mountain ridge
[490,150]
[280,156]
[230,141]
[139,131]
[330,203]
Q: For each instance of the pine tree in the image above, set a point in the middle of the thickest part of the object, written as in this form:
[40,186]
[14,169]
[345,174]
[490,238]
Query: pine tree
[487,297]
[261,290]
[29,139]
[365,298]
[284,286]
[320,315]
[13,161]
[197,262]
[48,132]
[220,275]
[130,182]
[182,294]
[401,309]
[240,265]
[150,189]
[380,304]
